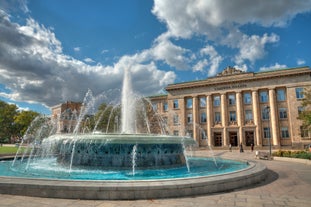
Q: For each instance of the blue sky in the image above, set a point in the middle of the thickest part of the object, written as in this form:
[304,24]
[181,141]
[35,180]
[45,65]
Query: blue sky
[53,51]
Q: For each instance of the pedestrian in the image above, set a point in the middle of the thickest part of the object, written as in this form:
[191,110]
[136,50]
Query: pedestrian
[252,147]
[230,147]
[241,147]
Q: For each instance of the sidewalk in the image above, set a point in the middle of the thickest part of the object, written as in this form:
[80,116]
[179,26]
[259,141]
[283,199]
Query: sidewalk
[289,184]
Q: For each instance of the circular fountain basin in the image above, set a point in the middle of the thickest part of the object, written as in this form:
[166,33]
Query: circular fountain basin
[117,151]
[133,189]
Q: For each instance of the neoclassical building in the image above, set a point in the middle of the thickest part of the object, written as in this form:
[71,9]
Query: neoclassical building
[234,107]
[65,116]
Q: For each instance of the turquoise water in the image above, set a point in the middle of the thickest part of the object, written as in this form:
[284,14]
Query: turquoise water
[50,169]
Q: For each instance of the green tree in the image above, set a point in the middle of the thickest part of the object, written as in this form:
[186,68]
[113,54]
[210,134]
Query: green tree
[14,123]
[107,118]
[23,120]
[7,125]
[305,115]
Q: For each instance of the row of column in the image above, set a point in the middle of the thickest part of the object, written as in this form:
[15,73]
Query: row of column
[240,117]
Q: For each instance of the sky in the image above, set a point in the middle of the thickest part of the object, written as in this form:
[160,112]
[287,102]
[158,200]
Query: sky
[54,51]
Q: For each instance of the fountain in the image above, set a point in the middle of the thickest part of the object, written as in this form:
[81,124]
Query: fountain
[126,165]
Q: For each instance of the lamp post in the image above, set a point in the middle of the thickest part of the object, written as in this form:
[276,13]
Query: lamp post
[267,109]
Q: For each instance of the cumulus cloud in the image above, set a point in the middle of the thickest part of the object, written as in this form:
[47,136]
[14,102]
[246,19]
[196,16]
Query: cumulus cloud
[173,55]
[220,21]
[89,60]
[253,47]
[301,62]
[35,69]
[77,49]
[214,59]
[276,66]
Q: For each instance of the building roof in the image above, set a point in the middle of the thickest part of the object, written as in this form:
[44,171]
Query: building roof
[232,75]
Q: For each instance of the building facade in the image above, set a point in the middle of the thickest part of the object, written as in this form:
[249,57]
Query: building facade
[65,116]
[239,107]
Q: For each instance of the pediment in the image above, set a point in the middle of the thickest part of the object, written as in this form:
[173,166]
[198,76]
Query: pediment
[230,71]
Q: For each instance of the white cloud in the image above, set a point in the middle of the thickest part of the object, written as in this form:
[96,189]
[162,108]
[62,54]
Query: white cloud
[89,60]
[276,66]
[200,65]
[214,59]
[77,49]
[34,68]
[220,21]
[164,49]
[301,62]
[253,47]
[184,18]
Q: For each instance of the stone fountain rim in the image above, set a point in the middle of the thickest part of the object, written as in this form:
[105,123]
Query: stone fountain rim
[138,189]
[112,138]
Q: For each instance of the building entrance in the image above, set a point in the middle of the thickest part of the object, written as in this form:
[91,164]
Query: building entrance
[249,138]
[217,139]
[233,138]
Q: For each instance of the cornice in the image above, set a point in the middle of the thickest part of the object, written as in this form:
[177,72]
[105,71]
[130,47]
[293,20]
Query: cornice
[240,78]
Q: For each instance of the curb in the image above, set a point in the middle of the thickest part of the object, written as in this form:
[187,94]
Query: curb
[297,160]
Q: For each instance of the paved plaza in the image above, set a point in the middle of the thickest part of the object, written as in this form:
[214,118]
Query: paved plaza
[288,184]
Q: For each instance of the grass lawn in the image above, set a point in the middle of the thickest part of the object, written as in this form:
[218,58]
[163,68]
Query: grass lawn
[8,150]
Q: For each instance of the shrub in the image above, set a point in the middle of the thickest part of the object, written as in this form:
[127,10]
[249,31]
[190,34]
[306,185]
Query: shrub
[293,154]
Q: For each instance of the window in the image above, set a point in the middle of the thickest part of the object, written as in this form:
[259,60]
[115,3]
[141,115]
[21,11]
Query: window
[247,98]
[155,107]
[266,132]
[304,131]
[189,118]
[189,103]
[232,116]
[203,117]
[165,106]
[217,117]
[216,100]
[175,104]
[299,93]
[263,96]
[176,119]
[248,115]
[280,94]
[283,113]
[176,133]
[203,134]
[202,102]
[265,113]
[231,99]
[284,132]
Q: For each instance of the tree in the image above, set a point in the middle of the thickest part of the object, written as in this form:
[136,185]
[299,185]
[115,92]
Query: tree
[23,119]
[13,123]
[7,125]
[305,115]
[107,118]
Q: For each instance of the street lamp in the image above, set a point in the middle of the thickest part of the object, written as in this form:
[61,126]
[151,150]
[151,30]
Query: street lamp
[267,109]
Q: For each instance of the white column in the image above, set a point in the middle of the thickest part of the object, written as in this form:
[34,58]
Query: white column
[273,117]
[224,118]
[195,116]
[256,116]
[240,116]
[209,120]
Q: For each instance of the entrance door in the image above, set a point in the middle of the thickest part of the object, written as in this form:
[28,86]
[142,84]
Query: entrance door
[233,137]
[249,138]
[217,139]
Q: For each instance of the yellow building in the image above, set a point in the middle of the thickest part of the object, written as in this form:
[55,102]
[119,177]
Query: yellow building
[65,116]
[239,107]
